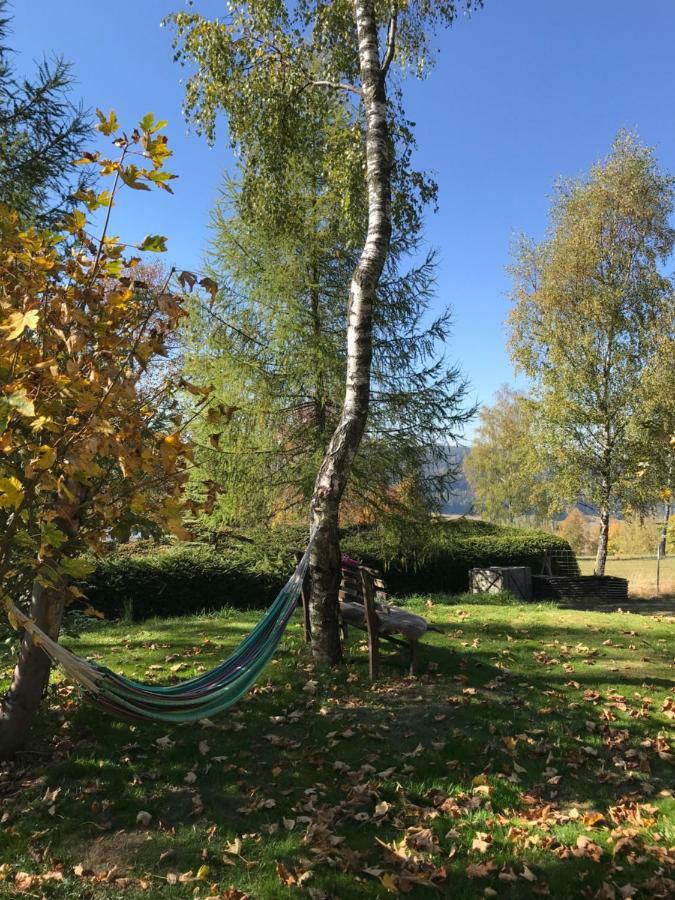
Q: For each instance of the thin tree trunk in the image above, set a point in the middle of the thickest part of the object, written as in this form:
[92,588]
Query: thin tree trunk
[603,538]
[319,387]
[663,539]
[662,549]
[334,472]
[663,536]
[31,673]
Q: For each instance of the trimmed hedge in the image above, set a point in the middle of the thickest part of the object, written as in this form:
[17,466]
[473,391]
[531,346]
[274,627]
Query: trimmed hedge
[246,571]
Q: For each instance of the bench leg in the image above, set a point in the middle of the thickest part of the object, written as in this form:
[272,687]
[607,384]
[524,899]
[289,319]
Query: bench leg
[413,657]
[305,615]
[373,656]
[372,623]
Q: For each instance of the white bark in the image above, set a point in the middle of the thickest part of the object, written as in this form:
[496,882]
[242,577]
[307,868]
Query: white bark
[334,472]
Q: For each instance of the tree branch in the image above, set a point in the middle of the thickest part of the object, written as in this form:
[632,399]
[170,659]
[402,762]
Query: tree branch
[391,42]
[337,85]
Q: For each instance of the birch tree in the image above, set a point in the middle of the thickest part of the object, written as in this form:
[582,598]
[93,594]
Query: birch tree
[504,466]
[591,319]
[262,65]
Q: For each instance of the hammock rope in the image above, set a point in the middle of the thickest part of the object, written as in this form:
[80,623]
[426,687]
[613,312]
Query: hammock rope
[188,701]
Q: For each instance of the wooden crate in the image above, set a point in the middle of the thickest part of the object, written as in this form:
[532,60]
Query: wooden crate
[517,580]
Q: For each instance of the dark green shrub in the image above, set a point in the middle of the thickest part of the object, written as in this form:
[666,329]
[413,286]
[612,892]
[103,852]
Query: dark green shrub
[246,571]
[179,580]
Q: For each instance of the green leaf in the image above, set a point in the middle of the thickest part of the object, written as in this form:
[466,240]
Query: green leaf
[76,567]
[146,122]
[155,243]
[107,124]
[20,401]
[52,535]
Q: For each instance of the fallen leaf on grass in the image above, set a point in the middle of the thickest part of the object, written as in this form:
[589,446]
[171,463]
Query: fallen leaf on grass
[481,842]
[233,847]
[23,881]
[389,882]
[593,818]
[287,878]
[480,870]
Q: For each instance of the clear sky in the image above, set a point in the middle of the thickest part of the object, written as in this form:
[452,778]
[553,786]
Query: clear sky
[523,92]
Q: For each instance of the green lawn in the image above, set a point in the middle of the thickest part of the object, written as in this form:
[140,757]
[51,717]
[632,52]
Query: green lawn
[530,758]
[640,572]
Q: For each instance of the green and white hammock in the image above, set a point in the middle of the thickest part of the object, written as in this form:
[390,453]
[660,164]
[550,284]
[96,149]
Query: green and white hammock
[197,698]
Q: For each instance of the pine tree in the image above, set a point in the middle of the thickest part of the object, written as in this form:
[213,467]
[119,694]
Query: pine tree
[41,134]
[272,343]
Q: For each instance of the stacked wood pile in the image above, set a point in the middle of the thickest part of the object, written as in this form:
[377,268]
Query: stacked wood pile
[582,589]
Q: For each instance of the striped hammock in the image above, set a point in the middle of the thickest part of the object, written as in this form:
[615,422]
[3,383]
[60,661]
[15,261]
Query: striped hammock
[197,698]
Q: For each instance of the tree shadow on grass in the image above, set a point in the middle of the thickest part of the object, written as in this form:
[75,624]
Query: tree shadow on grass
[472,720]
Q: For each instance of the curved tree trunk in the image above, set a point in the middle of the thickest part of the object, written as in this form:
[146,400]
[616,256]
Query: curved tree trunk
[334,472]
[31,673]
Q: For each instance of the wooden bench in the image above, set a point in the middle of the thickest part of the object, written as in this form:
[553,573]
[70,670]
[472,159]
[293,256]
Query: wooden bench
[364,605]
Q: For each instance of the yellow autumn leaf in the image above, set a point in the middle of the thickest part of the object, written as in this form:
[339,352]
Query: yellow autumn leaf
[202,873]
[20,401]
[389,882]
[177,529]
[19,321]
[11,492]
[120,297]
[46,457]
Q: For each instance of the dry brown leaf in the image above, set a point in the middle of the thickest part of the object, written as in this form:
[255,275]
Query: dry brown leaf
[480,870]
[286,877]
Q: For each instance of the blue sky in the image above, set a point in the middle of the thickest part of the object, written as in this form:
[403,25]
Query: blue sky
[523,92]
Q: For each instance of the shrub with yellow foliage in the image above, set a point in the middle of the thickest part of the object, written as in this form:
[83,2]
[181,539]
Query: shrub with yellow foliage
[91,438]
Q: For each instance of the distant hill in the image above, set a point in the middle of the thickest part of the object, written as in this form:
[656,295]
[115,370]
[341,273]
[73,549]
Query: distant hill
[459,499]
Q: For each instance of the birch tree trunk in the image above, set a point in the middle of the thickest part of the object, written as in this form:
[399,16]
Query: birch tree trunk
[334,471]
[603,538]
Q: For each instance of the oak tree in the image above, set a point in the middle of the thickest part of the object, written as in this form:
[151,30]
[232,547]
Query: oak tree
[92,443]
